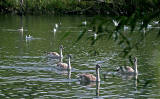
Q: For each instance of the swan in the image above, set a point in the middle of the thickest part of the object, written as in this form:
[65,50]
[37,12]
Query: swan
[84,23]
[115,22]
[129,70]
[155,22]
[65,66]
[125,27]
[56,25]
[149,26]
[55,55]
[28,37]
[91,77]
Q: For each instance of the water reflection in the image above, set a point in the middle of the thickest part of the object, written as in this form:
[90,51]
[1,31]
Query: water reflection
[21,35]
[21,24]
[97,88]
[95,85]
[26,70]
[136,79]
[69,74]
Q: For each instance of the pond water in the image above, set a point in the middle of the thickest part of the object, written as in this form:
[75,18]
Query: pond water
[26,72]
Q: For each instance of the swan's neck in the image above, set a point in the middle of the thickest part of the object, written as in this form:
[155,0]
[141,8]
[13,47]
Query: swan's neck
[61,59]
[69,63]
[122,69]
[61,55]
[97,74]
[135,67]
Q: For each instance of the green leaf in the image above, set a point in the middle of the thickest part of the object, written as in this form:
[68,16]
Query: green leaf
[65,35]
[81,35]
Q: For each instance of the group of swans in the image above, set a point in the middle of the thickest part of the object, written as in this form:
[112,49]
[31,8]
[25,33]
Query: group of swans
[61,65]
[90,77]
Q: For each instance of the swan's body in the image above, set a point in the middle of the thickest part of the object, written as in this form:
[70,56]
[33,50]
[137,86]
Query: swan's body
[55,55]
[87,77]
[62,65]
[90,77]
[129,70]
[65,66]
[126,70]
[155,22]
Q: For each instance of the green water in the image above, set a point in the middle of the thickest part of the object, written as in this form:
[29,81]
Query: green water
[25,72]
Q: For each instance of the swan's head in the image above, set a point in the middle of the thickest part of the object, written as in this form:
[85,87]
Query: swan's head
[69,56]
[98,66]
[135,59]
[61,46]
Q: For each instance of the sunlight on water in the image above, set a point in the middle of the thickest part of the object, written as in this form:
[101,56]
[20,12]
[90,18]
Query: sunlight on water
[26,72]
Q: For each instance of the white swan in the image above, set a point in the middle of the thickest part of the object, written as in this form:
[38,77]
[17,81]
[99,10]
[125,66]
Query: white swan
[84,23]
[125,27]
[115,22]
[29,37]
[156,22]
[149,26]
